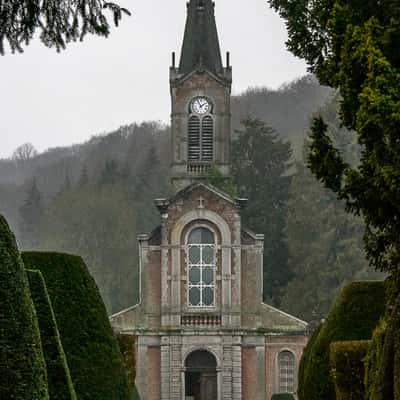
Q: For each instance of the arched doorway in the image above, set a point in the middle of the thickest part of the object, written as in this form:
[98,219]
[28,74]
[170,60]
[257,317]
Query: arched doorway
[201,376]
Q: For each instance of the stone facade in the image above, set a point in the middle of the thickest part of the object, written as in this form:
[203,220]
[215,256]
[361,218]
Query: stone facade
[244,334]
[202,329]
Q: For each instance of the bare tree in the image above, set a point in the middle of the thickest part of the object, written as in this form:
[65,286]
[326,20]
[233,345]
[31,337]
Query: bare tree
[24,153]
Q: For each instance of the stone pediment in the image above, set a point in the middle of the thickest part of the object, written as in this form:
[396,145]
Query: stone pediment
[201,75]
[163,204]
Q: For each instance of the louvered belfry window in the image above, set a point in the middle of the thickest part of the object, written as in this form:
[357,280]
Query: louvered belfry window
[201,138]
[207,139]
[194,139]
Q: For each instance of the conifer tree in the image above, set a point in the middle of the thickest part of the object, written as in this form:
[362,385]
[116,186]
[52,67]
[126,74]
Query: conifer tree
[57,22]
[260,167]
[353,46]
[84,177]
[31,213]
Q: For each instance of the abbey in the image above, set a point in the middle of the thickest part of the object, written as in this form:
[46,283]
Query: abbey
[202,330]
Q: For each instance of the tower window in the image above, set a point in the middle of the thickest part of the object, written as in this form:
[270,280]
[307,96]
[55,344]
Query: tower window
[207,139]
[201,268]
[194,138]
[201,138]
[286,365]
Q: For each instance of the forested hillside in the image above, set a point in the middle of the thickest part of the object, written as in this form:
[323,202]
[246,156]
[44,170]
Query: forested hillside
[94,199]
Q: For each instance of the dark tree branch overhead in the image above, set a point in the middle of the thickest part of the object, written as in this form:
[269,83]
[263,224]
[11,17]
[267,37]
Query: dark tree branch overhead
[58,22]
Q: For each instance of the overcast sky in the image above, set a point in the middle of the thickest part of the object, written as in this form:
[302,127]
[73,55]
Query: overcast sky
[53,99]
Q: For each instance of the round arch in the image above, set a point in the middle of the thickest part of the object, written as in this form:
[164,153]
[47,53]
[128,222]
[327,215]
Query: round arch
[201,376]
[286,365]
[201,214]
[176,243]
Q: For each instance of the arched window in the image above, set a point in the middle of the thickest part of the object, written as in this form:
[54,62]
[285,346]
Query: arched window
[201,268]
[286,365]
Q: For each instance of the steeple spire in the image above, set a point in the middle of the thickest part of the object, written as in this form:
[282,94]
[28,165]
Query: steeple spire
[201,45]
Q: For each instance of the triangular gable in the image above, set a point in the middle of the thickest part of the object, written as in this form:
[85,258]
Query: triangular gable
[206,186]
[186,77]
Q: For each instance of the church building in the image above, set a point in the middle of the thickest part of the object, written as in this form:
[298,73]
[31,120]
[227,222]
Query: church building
[202,330]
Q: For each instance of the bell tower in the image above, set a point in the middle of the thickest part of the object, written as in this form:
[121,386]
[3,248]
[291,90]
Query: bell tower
[201,100]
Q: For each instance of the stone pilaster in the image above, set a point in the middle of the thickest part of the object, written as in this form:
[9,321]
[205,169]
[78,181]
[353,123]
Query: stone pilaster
[176,383]
[165,368]
[236,369]
[226,380]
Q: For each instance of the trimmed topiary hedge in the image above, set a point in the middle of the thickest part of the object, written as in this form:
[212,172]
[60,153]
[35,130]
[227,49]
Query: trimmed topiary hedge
[383,361]
[127,347]
[22,367]
[58,375]
[92,351]
[347,368]
[282,396]
[356,313]
[373,364]
[305,362]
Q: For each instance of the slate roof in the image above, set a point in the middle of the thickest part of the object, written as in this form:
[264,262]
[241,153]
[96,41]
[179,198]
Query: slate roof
[200,48]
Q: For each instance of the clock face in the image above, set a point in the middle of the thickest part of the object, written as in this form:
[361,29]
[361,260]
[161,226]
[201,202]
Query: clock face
[201,105]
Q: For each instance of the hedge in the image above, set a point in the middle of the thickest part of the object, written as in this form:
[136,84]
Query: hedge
[356,313]
[383,361]
[127,348]
[58,375]
[347,368]
[373,361]
[305,363]
[92,351]
[282,396]
[22,367]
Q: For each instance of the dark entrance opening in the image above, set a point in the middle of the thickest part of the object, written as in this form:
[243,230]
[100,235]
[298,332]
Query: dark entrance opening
[201,376]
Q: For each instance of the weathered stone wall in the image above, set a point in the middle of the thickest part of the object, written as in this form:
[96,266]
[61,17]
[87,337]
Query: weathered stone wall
[275,345]
[249,378]
[201,206]
[182,92]
[151,289]
[154,373]
[250,282]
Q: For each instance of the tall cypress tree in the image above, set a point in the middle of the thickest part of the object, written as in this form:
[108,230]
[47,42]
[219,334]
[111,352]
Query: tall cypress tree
[31,213]
[260,166]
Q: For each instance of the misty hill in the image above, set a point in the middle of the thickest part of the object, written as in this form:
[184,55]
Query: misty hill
[93,199]
[287,110]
